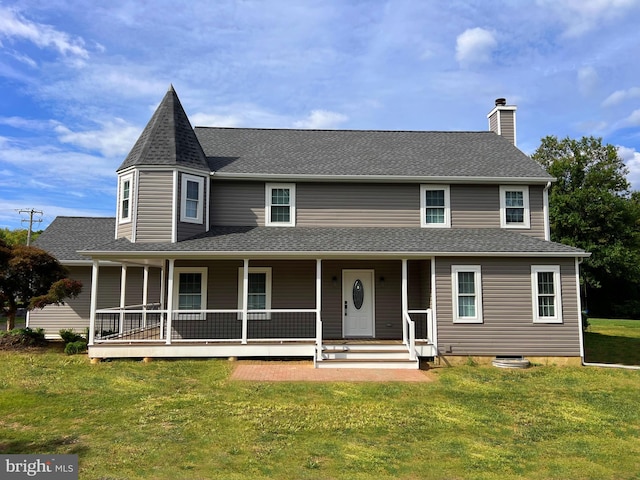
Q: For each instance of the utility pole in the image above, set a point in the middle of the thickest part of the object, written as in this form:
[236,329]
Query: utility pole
[31,220]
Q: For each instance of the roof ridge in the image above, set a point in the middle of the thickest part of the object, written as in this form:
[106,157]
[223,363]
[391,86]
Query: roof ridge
[340,130]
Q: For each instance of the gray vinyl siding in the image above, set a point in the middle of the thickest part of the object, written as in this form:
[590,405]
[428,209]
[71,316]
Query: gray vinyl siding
[493,122]
[366,205]
[507,327]
[237,203]
[76,311]
[508,126]
[478,206]
[187,229]
[154,216]
[124,230]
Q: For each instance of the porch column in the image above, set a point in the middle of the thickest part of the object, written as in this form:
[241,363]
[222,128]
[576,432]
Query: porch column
[123,296]
[245,300]
[94,301]
[163,271]
[405,301]
[170,299]
[145,294]
[318,307]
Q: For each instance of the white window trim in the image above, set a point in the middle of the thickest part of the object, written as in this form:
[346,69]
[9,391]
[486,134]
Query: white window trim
[423,206]
[123,179]
[203,271]
[503,206]
[477,277]
[183,199]
[292,204]
[255,316]
[557,286]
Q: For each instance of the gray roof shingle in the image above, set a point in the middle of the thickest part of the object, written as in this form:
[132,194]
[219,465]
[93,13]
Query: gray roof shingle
[362,153]
[273,240]
[66,235]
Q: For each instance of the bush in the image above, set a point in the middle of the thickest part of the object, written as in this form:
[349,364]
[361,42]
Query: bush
[69,336]
[585,320]
[19,338]
[72,348]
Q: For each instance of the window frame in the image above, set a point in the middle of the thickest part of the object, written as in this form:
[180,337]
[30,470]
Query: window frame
[423,206]
[526,220]
[204,272]
[124,179]
[269,187]
[199,218]
[477,279]
[557,295]
[268,271]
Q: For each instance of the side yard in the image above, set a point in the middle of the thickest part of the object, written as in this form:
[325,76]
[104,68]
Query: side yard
[613,341]
[186,419]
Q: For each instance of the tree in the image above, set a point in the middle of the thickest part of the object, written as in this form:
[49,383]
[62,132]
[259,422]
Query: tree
[31,277]
[591,207]
[17,236]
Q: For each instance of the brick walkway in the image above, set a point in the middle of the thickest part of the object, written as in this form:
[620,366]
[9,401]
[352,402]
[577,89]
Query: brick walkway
[275,371]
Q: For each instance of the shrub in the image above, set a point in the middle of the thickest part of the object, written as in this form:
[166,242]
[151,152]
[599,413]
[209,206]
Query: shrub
[19,338]
[72,348]
[69,336]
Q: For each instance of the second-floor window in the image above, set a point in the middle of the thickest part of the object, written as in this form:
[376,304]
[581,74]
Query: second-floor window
[192,199]
[435,210]
[126,190]
[280,204]
[514,207]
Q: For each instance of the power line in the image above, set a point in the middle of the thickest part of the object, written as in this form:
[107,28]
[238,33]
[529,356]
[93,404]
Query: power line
[31,220]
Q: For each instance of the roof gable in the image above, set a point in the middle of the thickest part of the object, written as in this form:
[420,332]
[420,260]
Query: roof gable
[168,139]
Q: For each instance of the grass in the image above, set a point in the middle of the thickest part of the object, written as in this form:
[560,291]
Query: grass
[185,419]
[613,341]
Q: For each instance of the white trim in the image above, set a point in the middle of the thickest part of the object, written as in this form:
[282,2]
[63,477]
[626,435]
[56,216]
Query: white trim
[203,271]
[243,299]
[198,219]
[503,206]
[545,212]
[174,209]
[557,293]
[434,312]
[268,188]
[94,301]
[581,334]
[170,288]
[122,180]
[477,280]
[423,205]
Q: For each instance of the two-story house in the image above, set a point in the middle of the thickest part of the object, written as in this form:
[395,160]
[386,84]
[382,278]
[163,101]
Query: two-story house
[354,248]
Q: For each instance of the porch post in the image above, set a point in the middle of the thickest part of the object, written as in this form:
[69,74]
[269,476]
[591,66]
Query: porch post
[145,294]
[318,308]
[163,272]
[170,299]
[123,296]
[405,302]
[94,301]
[245,300]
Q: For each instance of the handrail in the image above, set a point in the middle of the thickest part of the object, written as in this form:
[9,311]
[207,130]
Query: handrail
[411,326]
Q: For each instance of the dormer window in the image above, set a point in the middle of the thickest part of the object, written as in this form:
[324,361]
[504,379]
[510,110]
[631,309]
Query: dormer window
[126,190]
[192,199]
[435,210]
[280,204]
[514,207]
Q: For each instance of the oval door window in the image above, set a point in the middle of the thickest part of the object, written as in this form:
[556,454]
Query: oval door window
[358,294]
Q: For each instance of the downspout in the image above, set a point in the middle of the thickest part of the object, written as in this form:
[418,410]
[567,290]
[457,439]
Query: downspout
[545,203]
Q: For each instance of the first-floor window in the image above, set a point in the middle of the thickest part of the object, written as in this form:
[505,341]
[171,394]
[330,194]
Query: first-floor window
[191,290]
[466,283]
[545,289]
[259,291]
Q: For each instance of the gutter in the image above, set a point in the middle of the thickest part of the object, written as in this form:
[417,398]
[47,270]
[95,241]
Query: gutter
[609,365]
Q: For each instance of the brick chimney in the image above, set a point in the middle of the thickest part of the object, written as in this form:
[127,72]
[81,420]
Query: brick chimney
[502,120]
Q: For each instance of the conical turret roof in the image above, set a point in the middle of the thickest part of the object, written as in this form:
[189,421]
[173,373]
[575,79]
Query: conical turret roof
[168,139]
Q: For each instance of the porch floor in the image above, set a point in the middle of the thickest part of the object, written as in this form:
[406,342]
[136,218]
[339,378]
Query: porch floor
[303,371]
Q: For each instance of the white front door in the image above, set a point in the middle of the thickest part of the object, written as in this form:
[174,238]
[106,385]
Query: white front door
[358,303]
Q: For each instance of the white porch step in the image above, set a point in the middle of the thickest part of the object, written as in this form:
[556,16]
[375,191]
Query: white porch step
[366,356]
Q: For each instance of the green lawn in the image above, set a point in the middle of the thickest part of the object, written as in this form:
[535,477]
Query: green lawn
[186,420]
[613,341]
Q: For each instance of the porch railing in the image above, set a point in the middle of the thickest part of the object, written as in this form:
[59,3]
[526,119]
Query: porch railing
[125,325]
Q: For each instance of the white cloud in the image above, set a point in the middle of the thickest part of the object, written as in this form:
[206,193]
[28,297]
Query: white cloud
[620,96]
[321,119]
[581,16]
[115,137]
[13,25]
[475,46]
[588,80]
[632,160]
[633,119]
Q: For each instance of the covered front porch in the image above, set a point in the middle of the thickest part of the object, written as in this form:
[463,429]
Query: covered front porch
[340,312]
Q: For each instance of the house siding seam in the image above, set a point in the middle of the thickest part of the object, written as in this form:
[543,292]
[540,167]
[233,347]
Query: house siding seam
[154,208]
[508,327]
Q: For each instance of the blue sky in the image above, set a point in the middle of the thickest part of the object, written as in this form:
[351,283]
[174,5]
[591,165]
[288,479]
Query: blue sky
[79,80]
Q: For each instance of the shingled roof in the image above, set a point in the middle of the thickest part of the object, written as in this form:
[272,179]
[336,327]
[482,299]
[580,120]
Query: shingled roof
[66,235]
[289,152]
[168,139]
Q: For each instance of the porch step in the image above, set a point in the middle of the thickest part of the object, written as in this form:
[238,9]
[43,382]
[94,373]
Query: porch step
[366,356]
